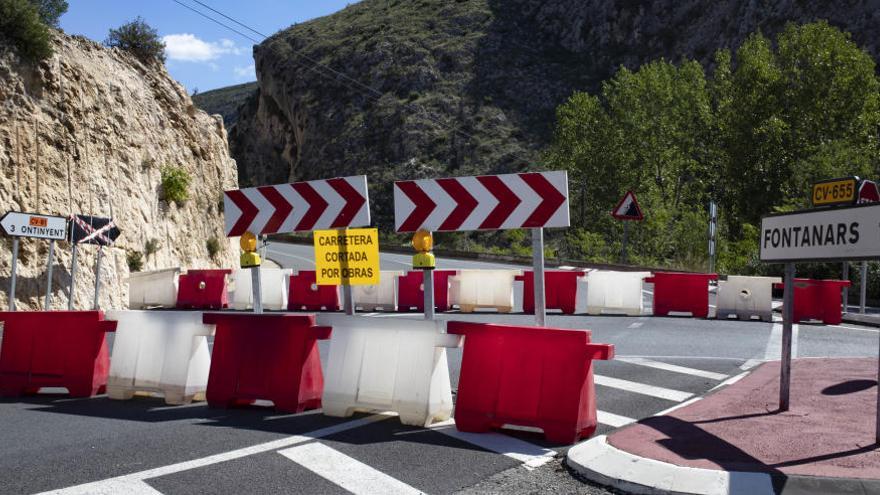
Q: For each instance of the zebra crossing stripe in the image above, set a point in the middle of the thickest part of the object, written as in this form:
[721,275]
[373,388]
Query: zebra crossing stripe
[532,456]
[614,420]
[673,368]
[347,472]
[642,388]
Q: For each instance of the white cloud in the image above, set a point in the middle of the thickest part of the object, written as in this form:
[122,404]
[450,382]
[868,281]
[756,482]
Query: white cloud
[245,72]
[189,48]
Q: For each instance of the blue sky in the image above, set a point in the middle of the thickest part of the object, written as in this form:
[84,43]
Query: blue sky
[200,54]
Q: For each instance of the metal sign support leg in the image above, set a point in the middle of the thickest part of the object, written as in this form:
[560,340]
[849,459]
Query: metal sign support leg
[96,304]
[845,289]
[347,293]
[428,285]
[47,305]
[538,268]
[623,244]
[877,431]
[257,286]
[863,288]
[12,279]
[787,317]
[71,297]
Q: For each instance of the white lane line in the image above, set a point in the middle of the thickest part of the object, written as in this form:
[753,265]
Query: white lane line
[530,455]
[773,351]
[113,486]
[345,471]
[610,419]
[860,329]
[642,388]
[635,325]
[310,261]
[674,368]
[646,291]
[751,363]
[730,381]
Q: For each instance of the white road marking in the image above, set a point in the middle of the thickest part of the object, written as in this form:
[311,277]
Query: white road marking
[345,471]
[610,419]
[121,484]
[674,368]
[730,381]
[310,261]
[751,363]
[773,351]
[646,291]
[642,388]
[678,406]
[635,325]
[860,329]
[530,455]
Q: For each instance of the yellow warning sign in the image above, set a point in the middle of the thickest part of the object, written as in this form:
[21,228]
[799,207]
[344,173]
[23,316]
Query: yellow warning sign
[347,257]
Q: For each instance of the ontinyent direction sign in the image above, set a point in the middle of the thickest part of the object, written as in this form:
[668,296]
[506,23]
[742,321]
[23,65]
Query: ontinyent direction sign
[628,208]
[347,257]
[33,225]
[845,233]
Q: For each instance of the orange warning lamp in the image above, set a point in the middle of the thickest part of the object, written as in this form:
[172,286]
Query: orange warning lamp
[248,243]
[423,242]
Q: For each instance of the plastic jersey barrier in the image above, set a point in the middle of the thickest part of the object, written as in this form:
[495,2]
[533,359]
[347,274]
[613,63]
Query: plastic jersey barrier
[153,289]
[411,294]
[375,297]
[306,295]
[203,289]
[745,297]
[527,376]
[471,289]
[681,292]
[817,299]
[266,357]
[382,364]
[612,292]
[160,351]
[54,349]
[560,290]
[273,284]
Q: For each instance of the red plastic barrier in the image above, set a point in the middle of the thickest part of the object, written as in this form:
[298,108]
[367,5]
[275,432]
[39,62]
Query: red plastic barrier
[268,357]
[411,296]
[54,349]
[203,289]
[560,290]
[817,299]
[528,376]
[682,292]
[306,295]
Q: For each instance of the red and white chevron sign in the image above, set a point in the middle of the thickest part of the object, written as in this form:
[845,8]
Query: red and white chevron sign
[301,206]
[488,202]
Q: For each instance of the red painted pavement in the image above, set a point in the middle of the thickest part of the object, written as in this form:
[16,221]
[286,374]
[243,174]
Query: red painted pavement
[829,430]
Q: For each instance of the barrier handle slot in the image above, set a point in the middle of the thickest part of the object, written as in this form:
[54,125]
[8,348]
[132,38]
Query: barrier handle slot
[107,325]
[449,340]
[603,352]
[322,332]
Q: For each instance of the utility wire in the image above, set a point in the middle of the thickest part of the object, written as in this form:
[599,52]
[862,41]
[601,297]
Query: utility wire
[361,87]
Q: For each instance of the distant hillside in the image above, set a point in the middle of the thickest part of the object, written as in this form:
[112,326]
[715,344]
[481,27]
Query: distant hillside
[225,101]
[433,88]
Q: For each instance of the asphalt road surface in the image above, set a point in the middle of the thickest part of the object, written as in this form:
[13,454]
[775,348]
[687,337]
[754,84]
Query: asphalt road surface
[50,442]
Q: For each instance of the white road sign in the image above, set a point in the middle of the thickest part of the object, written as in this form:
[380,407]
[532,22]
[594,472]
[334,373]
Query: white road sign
[33,225]
[850,233]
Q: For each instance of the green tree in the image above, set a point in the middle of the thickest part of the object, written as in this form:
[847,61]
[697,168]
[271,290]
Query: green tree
[21,26]
[138,38]
[50,11]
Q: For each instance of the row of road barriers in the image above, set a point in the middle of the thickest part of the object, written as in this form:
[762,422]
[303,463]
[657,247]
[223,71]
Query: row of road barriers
[518,375]
[592,292]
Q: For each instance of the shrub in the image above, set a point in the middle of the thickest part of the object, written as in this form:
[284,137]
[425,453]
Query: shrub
[138,38]
[21,25]
[175,184]
[151,247]
[135,261]
[50,11]
[213,247]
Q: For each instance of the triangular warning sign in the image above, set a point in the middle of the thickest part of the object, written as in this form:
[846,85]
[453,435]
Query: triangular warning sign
[628,208]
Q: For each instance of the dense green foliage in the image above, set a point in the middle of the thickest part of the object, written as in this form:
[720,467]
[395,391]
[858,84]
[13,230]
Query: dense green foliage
[213,247]
[753,135]
[135,261]
[225,101]
[175,184]
[138,38]
[50,11]
[22,26]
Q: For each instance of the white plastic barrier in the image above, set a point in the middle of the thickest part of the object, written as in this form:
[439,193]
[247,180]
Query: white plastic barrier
[382,296]
[612,292]
[153,289]
[471,289]
[159,351]
[746,297]
[273,282]
[382,364]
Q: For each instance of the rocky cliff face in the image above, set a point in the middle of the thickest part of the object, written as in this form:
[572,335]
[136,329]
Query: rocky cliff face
[88,131]
[434,87]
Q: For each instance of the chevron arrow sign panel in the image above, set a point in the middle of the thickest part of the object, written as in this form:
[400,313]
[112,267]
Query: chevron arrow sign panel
[301,206]
[488,202]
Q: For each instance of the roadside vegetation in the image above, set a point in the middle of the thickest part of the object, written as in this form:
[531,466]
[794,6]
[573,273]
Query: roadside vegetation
[27,25]
[138,38]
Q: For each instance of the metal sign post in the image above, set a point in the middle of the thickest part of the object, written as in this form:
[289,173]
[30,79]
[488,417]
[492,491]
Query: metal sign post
[538,268]
[623,244]
[48,303]
[713,226]
[12,279]
[96,304]
[428,287]
[72,289]
[257,285]
[863,287]
[787,317]
[627,210]
[845,276]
